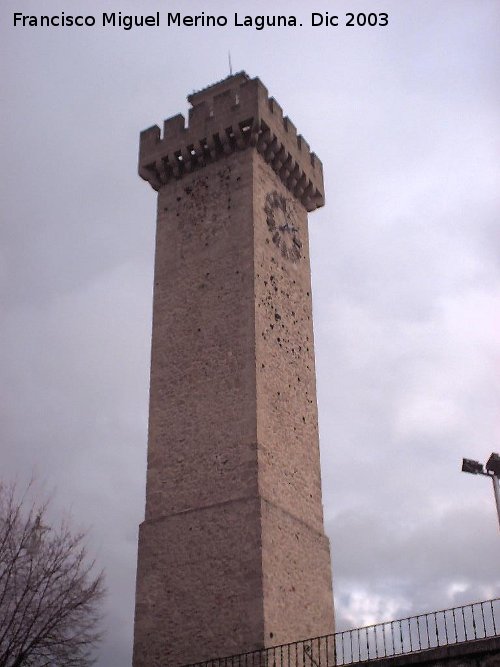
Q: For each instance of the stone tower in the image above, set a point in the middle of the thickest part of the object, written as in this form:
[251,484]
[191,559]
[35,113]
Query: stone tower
[232,553]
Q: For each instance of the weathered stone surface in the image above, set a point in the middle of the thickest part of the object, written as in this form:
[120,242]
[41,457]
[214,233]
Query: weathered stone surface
[225,117]
[232,554]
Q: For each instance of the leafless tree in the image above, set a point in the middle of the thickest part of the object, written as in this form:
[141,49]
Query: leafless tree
[50,594]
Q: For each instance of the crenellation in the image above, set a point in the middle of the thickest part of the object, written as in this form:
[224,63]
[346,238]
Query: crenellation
[149,139]
[291,130]
[199,116]
[233,115]
[316,162]
[303,145]
[174,127]
[275,108]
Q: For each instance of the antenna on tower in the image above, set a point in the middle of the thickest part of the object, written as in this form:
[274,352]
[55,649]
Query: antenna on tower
[230,64]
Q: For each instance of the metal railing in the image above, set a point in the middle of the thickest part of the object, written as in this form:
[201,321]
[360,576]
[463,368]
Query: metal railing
[382,640]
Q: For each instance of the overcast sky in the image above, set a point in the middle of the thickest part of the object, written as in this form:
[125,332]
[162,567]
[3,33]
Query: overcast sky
[405,266]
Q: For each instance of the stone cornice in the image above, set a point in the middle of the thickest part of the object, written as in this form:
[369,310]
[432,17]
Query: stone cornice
[232,115]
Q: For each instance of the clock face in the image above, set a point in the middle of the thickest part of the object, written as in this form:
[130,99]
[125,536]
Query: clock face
[282,223]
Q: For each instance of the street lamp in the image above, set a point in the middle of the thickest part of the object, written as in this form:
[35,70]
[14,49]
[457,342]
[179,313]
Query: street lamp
[492,470]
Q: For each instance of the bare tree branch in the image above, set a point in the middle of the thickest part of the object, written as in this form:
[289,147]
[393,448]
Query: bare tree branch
[50,592]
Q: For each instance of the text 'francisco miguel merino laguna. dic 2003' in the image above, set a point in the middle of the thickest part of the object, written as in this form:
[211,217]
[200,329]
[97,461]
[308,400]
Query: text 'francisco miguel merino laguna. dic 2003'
[173,20]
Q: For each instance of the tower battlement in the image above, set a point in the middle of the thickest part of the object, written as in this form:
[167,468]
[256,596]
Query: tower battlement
[231,115]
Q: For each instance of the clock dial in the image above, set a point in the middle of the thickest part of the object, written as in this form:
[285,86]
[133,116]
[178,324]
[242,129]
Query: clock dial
[282,223]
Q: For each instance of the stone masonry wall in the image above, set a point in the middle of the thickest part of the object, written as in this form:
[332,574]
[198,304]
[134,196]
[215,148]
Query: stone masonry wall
[298,599]
[199,591]
[232,554]
[289,464]
[199,580]
[202,399]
